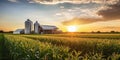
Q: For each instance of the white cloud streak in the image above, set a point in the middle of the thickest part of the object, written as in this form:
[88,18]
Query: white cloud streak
[74,1]
[69,1]
[84,10]
[13,0]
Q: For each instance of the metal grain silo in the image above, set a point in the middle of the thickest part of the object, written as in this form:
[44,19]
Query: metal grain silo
[36,27]
[28,26]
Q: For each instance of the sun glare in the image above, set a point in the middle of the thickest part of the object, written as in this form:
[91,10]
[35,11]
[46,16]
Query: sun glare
[71,28]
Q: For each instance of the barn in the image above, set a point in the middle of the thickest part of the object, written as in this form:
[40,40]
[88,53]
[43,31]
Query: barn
[48,29]
[44,29]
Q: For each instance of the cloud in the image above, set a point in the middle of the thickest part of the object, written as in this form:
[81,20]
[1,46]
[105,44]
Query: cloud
[111,27]
[13,0]
[112,12]
[72,1]
[69,1]
[78,10]
[79,21]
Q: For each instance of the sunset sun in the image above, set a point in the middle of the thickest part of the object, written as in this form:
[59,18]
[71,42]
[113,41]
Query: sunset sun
[71,28]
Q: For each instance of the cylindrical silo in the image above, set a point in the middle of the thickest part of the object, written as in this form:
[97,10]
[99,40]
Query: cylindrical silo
[28,26]
[36,27]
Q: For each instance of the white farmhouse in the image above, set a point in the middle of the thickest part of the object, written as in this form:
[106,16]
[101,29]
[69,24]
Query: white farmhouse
[18,31]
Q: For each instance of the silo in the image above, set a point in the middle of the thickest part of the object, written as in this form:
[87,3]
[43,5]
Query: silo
[36,27]
[28,26]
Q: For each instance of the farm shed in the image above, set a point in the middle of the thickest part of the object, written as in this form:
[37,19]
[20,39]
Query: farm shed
[18,31]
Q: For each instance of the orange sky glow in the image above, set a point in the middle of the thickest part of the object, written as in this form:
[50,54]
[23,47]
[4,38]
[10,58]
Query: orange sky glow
[86,16]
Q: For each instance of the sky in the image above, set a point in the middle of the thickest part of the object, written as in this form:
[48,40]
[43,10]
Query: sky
[87,15]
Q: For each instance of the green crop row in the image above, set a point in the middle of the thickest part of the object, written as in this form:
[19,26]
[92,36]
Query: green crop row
[21,48]
[100,36]
[86,45]
[3,50]
[1,46]
[36,47]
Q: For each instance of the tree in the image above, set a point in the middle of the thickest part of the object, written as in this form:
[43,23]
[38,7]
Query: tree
[112,31]
[98,32]
[1,31]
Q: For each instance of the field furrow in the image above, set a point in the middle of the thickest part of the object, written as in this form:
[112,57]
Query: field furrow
[46,47]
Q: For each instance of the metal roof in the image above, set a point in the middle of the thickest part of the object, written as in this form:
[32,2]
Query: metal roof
[18,30]
[48,27]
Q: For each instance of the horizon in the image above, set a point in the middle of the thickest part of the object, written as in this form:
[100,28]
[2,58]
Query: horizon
[85,16]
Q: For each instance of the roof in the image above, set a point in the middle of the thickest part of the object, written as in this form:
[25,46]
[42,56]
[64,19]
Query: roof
[48,27]
[28,20]
[18,30]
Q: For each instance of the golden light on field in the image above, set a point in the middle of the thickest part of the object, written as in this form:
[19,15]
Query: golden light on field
[72,28]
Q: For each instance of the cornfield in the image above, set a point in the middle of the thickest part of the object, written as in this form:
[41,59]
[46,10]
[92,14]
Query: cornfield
[62,46]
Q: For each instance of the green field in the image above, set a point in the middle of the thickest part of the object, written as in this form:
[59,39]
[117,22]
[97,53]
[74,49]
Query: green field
[0,47]
[60,47]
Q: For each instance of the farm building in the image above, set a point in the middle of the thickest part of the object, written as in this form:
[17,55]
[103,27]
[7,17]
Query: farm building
[28,26]
[47,29]
[44,29]
[38,29]
[18,31]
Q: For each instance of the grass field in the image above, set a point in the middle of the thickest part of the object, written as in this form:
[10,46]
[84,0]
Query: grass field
[0,46]
[62,46]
